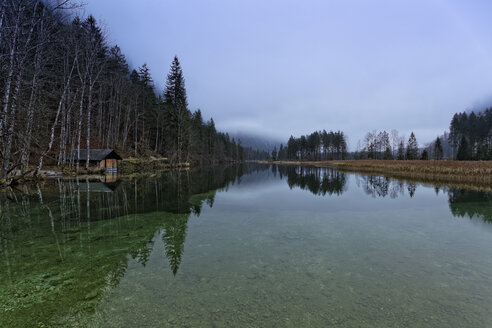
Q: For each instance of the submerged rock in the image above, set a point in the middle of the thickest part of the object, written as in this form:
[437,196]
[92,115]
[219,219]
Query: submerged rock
[91,295]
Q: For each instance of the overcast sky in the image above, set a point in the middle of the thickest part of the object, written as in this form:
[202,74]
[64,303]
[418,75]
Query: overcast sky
[282,67]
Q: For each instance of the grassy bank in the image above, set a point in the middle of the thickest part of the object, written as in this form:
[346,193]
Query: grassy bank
[126,166]
[139,165]
[475,175]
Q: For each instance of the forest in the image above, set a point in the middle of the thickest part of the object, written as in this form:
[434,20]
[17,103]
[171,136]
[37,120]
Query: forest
[317,146]
[390,146]
[64,87]
[471,135]
[469,139]
[324,146]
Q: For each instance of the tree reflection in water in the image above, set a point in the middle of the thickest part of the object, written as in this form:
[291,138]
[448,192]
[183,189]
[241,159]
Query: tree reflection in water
[63,242]
[319,181]
[327,182]
[471,204]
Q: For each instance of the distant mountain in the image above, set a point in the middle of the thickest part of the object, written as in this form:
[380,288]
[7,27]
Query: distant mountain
[262,143]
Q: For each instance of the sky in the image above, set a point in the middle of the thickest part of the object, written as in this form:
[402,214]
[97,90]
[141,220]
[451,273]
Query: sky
[280,67]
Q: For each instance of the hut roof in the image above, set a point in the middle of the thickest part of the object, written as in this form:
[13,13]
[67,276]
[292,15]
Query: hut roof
[95,154]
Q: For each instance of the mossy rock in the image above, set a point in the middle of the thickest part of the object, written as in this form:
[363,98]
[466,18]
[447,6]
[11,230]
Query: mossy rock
[91,295]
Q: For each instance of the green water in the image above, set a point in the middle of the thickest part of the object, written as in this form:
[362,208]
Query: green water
[245,246]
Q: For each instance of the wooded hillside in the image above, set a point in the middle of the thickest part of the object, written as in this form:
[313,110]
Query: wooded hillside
[64,87]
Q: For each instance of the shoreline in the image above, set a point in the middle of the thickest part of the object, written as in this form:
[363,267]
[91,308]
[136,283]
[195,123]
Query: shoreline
[476,175]
[128,167]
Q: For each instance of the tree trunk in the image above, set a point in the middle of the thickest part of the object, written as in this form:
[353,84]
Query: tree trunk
[10,130]
[15,94]
[60,104]
[79,125]
[89,109]
[126,128]
[99,120]
[10,74]
[3,5]
[30,110]
[136,127]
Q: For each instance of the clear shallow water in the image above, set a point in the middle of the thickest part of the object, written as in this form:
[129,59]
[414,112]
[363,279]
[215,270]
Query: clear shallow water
[272,247]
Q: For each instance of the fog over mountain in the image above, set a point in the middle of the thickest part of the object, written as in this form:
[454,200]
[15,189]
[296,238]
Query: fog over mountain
[262,143]
[479,105]
[286,67]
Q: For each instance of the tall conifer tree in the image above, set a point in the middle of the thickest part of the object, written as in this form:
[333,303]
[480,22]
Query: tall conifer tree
[438,151]
[412,147]
[177,112]
[463,150]
[401,151]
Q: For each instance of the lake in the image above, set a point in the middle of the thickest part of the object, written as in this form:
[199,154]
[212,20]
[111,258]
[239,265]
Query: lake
[245,246]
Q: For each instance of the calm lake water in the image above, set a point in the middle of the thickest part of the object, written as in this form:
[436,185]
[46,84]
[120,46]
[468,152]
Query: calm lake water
[245,246]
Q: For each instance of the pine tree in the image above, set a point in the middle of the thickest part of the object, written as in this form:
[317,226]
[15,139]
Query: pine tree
[412,148]
[482,152]
[303,146]
[134,77]
[144,76]
[177,113]
[198,139]
[211,136]
[274,153]
[425,155]
[463,150]
[438,151]
[401,151]
[388,154]
[292,148]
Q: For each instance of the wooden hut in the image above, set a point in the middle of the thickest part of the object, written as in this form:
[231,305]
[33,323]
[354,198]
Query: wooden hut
[98,158]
